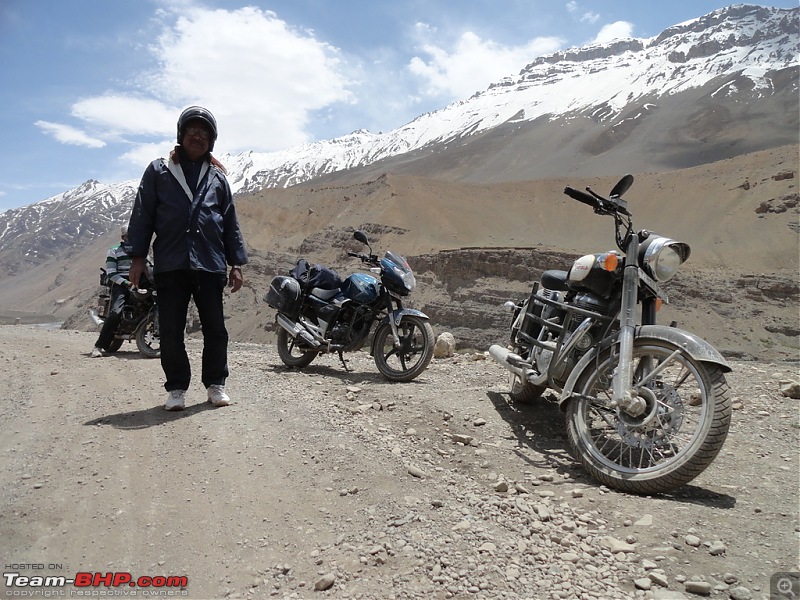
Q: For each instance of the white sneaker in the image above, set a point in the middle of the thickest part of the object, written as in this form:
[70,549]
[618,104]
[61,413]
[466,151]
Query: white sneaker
[175,400]
[217,395]
[97,352]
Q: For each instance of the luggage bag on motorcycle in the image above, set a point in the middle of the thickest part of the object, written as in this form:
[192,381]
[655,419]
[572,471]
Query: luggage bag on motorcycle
[315,276]
[284,294]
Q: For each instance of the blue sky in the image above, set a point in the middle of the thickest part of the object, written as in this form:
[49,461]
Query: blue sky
[91,89]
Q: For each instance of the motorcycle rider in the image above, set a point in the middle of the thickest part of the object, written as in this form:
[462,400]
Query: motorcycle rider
[186,202]
[118,266]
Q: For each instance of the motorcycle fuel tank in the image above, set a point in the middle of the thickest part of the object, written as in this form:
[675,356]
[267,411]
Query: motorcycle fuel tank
[361,288]
[588,275]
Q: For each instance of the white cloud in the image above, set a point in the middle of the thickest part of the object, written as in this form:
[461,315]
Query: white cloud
[143,154]
[120,114]
[585,17]
[260,78]
[472,63]
[67,134]
[614,31]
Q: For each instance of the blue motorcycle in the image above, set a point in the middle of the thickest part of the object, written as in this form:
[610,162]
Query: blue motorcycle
[319,313]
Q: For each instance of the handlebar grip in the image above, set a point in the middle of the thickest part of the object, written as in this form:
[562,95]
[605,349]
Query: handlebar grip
[580,196]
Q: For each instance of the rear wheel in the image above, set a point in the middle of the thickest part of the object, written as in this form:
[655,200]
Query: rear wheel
[291,353]
[147,339]
[683,427]
[404,358]
[523,392]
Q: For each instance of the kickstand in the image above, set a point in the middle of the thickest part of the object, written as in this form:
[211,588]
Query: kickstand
[344,362]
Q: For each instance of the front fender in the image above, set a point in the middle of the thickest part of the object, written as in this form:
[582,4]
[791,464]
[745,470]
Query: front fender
[398,314]
[699,349]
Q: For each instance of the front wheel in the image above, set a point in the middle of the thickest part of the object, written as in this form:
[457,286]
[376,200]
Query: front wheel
[147,339]
[685,423]
[404,358]
[291,353]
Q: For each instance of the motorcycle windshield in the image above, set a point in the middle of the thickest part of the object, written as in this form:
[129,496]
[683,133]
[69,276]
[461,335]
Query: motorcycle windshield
[397,275]
[397,261]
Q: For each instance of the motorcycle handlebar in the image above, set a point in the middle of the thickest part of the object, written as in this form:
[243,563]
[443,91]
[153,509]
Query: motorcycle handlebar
[366,258]
[598,203]
[581,196]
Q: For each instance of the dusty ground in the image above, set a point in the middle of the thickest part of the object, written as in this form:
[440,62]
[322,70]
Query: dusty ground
[326,477]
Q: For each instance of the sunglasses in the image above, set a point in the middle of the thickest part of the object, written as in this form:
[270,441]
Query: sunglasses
[198,132]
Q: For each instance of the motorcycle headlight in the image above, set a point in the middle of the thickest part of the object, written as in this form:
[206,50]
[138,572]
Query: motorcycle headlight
[660,257]
[409,281]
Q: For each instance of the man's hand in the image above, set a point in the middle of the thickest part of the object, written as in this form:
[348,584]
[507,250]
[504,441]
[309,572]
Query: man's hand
[138,267]
[235,279]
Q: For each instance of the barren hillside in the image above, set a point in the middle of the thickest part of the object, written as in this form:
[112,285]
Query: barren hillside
[739,288]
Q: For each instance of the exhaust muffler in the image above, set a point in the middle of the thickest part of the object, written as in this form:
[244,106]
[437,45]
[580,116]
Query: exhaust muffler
[296,330]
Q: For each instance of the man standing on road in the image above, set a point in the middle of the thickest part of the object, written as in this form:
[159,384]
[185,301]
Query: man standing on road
[186,202]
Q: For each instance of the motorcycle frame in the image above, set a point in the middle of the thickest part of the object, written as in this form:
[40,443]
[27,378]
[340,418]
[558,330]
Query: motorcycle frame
[320,342]
[624,395]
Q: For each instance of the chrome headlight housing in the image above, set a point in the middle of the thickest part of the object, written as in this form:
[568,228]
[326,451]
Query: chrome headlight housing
[660,257]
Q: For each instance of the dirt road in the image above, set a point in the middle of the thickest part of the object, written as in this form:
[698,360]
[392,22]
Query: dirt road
[329,484]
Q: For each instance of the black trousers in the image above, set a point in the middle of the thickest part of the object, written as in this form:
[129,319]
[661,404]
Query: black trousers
[175,289]
[118,296]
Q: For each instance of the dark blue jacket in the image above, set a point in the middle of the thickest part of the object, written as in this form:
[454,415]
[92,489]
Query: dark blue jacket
[193,231]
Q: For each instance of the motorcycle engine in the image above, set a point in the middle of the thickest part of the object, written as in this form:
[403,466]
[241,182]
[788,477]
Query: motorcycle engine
[340,334]
[591,302]
[543,356]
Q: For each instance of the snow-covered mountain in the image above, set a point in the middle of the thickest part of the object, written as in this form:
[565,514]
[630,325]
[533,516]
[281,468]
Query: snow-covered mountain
[743,52]
[598,80]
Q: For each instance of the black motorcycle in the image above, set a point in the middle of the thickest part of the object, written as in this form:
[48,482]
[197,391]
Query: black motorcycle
[647,406]
[139,318]
[319,313]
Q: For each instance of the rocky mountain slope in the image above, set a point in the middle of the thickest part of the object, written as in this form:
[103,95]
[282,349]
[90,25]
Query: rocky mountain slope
[475,246]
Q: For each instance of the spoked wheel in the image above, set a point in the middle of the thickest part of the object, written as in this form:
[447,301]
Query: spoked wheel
[404,358]
[684,425]
[292,353]
[147,339]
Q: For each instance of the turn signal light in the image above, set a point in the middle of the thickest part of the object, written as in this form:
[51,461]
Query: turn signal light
[611,261]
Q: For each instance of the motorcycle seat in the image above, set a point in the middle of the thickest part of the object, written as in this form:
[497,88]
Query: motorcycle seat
[324,294]
[555,279]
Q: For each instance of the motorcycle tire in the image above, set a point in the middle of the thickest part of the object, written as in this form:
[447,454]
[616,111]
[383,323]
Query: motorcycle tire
[413,353]
[148,343]
[115,345]
[523,392]
[683,428]
[291,353]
